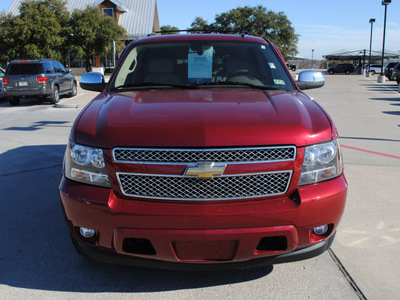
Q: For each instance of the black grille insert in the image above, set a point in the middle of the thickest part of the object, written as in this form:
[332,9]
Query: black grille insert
[138,246]
[272,243]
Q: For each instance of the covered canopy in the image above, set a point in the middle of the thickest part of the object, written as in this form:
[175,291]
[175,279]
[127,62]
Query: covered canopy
[360,55]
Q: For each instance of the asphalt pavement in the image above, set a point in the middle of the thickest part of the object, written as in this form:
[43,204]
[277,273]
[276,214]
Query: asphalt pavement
[37,260]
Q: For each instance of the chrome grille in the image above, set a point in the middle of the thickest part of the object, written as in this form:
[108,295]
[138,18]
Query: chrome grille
[229,155]
[219,188]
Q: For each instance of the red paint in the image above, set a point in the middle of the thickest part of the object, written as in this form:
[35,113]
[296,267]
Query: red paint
[371,152]
[202,118]
[164,222]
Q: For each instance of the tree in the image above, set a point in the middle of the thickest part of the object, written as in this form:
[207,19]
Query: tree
[199,25]
[169,28]
[93,34]
[40,30]
[258,21]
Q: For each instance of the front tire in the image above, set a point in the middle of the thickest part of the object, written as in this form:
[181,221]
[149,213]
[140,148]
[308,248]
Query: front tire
[347,72]
[330,72]
[55,95]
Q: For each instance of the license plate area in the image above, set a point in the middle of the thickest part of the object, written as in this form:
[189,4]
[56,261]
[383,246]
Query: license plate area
[205,250]
[23,83]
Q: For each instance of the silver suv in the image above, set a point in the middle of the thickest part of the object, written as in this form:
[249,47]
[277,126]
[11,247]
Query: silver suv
[43,78]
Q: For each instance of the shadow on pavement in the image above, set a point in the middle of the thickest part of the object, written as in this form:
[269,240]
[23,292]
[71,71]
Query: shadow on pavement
[39,125]
[31,101]
[391,99]
[37,253]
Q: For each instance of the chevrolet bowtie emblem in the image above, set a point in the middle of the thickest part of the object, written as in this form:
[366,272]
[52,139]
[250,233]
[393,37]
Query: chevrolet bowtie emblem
[205,170]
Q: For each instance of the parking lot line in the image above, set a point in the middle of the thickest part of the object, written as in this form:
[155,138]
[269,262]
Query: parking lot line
[394,92]
[371,152]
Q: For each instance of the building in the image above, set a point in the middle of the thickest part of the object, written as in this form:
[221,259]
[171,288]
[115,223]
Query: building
[138,17]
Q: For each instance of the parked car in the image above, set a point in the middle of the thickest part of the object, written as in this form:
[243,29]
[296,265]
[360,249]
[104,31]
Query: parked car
[341,68]
[389,69]
[43,78]
[291,67]
[396,73]
[2,72]
[201,151]
[374,69]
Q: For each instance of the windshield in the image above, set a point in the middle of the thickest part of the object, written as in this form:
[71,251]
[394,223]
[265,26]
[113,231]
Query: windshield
[201,64]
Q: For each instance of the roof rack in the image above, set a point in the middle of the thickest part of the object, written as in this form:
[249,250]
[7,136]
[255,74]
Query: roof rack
[32,59]
[194,31]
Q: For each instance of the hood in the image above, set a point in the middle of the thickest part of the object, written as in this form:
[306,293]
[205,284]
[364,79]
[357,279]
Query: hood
[202,118]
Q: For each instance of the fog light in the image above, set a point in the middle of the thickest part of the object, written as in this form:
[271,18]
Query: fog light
[321,230]
[86,232]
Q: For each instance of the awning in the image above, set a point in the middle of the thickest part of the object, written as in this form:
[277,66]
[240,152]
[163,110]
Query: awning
[360,54]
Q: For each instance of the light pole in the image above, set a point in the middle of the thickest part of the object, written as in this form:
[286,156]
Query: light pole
[372,21]
[312,59]
[381,78]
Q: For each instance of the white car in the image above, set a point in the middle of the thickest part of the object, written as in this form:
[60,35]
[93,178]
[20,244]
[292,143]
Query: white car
[374,69]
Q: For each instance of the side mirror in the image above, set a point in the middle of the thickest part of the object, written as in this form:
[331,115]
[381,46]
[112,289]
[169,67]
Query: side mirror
[310,80]
[93,81]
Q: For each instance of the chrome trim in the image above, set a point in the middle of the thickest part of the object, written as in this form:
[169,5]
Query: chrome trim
[204,199]
[204,150]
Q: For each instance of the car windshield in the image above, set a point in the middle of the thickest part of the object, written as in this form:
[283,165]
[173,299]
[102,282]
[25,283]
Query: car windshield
[201,64]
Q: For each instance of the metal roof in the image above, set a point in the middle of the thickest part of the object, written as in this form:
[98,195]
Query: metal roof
[357,54]
[137,16]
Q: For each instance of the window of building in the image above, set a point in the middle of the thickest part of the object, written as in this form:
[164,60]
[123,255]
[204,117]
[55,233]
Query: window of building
[108,12]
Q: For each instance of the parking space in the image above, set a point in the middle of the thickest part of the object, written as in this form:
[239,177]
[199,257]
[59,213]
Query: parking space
[38,260]
[367,115]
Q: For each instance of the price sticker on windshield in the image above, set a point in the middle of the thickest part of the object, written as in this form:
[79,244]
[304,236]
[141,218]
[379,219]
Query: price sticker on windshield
[279,81]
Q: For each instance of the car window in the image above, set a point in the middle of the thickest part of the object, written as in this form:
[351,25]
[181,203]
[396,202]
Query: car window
[201,63]
[57,67]
[61,67]
[47,67]
[24,68]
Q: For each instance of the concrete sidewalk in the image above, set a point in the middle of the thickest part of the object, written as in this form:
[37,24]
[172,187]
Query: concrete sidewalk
[367,115]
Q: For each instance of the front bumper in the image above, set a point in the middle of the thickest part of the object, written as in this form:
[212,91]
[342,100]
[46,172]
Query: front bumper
[107,256]
[204,234]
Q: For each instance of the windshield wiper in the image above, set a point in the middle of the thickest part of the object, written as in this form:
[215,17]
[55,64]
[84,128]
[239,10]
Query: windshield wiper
[156,84]
[196,85]
[254,86]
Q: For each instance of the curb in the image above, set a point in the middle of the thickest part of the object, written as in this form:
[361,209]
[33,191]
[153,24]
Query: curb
[62,105]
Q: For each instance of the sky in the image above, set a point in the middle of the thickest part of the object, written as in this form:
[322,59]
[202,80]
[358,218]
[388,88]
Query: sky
[323,25]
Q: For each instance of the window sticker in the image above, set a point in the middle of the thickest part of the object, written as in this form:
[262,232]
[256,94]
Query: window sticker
[200,65]
[272,65]
[279,81]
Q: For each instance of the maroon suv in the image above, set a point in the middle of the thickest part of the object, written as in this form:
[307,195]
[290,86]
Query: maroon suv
[201,151]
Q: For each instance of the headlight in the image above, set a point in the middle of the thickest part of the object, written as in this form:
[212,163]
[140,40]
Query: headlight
[321,162]
[85,164]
